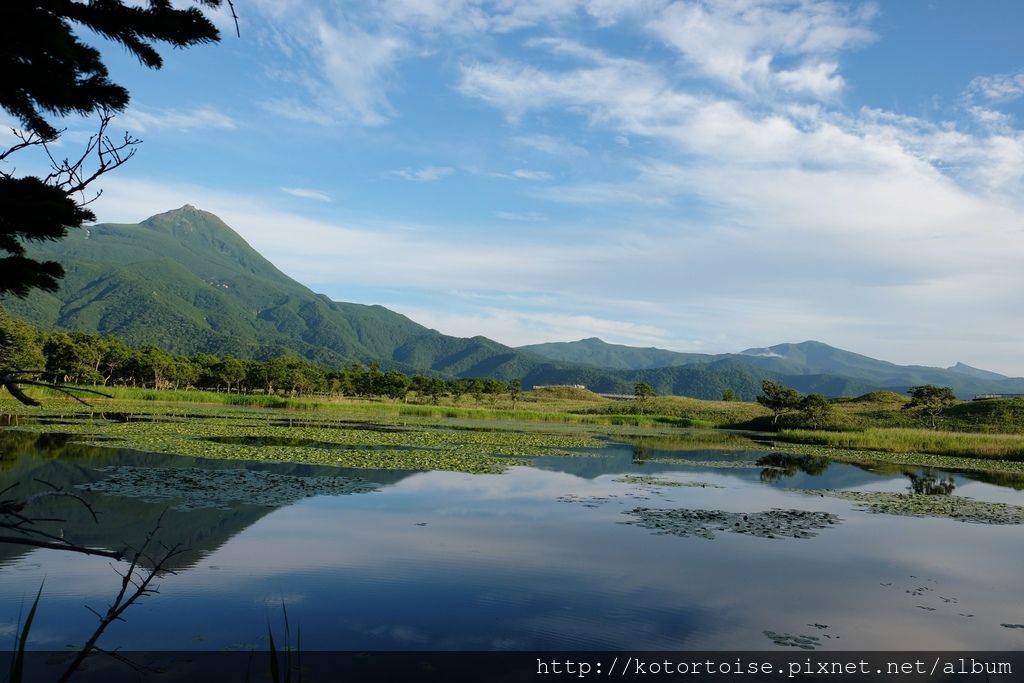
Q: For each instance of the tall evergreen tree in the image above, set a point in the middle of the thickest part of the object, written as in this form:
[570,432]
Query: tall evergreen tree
[46,69]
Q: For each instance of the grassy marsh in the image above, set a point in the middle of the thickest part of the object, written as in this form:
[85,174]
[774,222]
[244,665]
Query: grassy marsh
[489,434]
[902,440]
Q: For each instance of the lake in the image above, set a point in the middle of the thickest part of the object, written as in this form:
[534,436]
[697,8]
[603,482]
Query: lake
[622,547]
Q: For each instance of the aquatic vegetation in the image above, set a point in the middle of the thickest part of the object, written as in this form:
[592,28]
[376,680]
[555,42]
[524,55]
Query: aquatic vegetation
[646,480]
[790,640]
[773,523]
[642,487]
[919,505]
[716,464]
[870,457]
[255,437]
[692,440]
[194,488]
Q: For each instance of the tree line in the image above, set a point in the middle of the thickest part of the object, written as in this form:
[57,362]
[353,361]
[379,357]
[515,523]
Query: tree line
[815,410]
[87,359]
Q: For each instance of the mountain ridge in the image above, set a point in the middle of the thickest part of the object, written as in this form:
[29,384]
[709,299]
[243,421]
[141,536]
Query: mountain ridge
[184,280]
[798,363]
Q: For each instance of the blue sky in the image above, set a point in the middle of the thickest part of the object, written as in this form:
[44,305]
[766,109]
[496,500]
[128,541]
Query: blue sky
[698,176]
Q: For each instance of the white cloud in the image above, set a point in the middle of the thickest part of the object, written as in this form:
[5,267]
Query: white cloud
[997,88]
[741,43]
[339,67]
[343,59]
[550,145]
[606,89]
[518,328]
[768,272]
[141,120]
[306,193]
[825,210]
[424,175]
[527,174]
[990,118]
[746,208]
[523,216]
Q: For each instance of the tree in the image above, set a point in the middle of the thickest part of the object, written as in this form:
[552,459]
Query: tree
[73,357]
[116,357]
[642,391]
[396,385]
[20,346]
[815,410]
[46,69]
[153,364]
[728,395]
[930,400]
[515,387]
[231,371]
[778,398]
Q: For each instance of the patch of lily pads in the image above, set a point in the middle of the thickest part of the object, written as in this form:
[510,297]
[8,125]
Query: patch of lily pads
[711,464]
[791,640]
[194,488]
[650,481]
[917,505]
[775,523]
[342,444]
[642,483]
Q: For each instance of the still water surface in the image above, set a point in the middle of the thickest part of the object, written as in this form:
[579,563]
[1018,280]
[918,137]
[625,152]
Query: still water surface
[535,558]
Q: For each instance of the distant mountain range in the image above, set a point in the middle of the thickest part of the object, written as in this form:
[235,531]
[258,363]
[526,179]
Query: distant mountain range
[187,282]
[808,366]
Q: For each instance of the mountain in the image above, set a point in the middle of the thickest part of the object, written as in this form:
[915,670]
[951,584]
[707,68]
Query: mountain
[809,366]
[185,281]
[812,357]
[601,354]
[965,369]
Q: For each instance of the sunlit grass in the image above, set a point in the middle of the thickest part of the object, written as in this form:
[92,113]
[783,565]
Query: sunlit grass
[899,440]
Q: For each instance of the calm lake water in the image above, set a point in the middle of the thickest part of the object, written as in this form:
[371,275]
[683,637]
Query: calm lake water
[535,558]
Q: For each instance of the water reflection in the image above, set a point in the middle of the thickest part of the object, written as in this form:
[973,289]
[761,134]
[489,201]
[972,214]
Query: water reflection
[204,503]
[929,483]
[779,466]
[443,560]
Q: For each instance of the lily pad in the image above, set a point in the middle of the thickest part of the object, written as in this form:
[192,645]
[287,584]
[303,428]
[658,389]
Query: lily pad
[918,505]
[773,523]
[658,482]
[791,640]
[194,488]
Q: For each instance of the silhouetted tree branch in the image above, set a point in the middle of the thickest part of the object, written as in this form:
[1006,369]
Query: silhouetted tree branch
[13,379]
[135,584]
[46,69]
[15,518]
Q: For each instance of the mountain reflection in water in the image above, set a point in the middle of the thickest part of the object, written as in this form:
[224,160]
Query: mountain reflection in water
[538,557]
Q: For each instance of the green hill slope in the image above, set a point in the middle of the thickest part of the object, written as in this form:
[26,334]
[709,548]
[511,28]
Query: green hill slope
[187,282]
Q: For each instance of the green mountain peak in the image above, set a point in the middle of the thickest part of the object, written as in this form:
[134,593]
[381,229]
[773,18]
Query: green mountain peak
[185,281]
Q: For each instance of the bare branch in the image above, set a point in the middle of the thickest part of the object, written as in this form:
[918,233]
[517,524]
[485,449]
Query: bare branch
[31,139]
[18,540]
[142,584]
[238,31]
[72,176]
[61,493]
